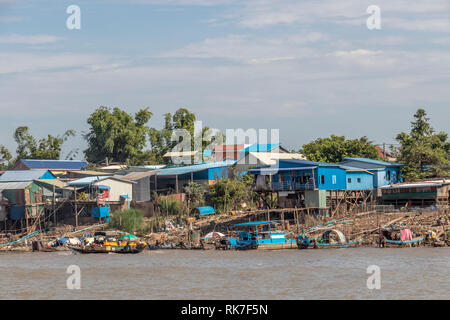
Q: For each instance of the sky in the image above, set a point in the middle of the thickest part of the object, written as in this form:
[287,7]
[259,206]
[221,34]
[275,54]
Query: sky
[308,68]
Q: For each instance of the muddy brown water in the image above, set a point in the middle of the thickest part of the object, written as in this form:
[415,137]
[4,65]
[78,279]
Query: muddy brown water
[409,273]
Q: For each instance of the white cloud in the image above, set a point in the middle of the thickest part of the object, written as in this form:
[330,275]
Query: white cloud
[251,50]
[28,39]
[16,62]
[420,15]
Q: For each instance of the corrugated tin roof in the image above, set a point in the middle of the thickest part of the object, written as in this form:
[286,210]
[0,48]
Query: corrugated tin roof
[22,175]
[194,168]
[270,158]
[54,164]
[275,170]
[426,183]
[14,185]
[92,173]
[152,167]
[305,162]
[377,162]
[92,180]
[52,182]
[133,176]
[180,154]
[229,147]
[262,147]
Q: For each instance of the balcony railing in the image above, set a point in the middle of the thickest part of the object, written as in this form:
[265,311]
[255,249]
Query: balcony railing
[291,185]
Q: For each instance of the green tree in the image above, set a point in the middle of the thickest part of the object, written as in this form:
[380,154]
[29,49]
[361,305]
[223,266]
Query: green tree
[426,154]
[161,140]
[195,194]
[231,193]
[5,158]
[46,148]
[335,148]
[117,135]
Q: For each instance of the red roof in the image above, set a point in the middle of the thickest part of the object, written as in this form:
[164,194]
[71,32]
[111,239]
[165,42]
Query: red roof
[227,147]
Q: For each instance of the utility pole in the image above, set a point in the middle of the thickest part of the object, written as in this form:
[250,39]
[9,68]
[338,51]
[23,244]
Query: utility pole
[76,209]
[53,207]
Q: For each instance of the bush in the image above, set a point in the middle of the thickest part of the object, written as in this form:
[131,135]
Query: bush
[129,220]
[171,206]
[229,194]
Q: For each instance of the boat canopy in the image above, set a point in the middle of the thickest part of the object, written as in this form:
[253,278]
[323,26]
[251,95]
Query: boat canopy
[255,223]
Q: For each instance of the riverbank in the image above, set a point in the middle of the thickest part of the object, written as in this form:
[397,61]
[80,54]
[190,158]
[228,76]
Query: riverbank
[364,228]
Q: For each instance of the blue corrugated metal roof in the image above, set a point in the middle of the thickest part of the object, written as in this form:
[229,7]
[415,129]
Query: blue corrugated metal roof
[194,168]
[261,147]
[307,162]
[276,169]
[54,164]
[255,223]
[26,175]
[377,162]
[205,210]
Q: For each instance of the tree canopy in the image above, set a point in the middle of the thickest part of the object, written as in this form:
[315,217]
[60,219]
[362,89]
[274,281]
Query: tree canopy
[335,148]
[117,135]
[182,119]
[28,147]
[426,154]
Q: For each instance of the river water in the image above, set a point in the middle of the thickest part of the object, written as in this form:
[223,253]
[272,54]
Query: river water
[408,273]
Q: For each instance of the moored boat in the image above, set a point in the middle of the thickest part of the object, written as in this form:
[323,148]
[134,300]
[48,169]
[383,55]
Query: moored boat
[331,238]
[403,243]
[108,244]
[260,236]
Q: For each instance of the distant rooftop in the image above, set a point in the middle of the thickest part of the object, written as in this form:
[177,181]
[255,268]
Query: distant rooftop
[194,168]
[54,164]
[376,162]
[25,175]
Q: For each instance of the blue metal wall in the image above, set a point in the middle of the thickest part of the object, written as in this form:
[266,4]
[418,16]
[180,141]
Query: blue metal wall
[325,177]
[359,181]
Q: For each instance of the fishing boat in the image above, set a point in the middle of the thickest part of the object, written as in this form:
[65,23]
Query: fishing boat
[399,238]
[108,249]
[415,242]
[331,238]
[101,244]
[259,236]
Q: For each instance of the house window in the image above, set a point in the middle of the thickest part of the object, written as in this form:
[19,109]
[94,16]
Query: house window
[322,179]
[359,180]
[349,180]
[333,179]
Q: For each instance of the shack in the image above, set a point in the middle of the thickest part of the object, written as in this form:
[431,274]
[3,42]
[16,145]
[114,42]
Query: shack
[420,193]
[303,183]
[178,177]
[384,173]
[22,201]
[114,189]
[141,187]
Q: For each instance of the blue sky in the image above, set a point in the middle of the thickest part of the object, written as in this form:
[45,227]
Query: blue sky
[309,68]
